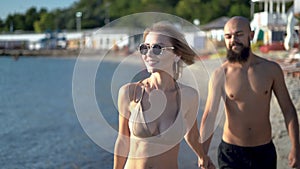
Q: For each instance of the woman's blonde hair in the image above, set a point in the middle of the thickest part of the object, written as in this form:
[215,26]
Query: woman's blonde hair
[177,39]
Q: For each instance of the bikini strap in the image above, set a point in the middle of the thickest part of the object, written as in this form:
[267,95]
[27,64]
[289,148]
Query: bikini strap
[134,91]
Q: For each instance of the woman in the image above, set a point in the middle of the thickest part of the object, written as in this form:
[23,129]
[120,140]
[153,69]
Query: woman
[157,112]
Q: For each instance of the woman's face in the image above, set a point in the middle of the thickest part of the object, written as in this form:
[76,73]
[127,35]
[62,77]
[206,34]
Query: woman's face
[159,62]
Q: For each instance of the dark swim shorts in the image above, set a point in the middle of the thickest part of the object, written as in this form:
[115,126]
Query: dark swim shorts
[237,157]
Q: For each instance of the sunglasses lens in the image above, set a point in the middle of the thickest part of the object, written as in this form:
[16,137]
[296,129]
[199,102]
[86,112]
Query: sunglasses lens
[143,49]
[156,49]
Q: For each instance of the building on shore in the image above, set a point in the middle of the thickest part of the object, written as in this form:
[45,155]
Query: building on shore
[33,41]
[214,30]
[125,40]
[274,24]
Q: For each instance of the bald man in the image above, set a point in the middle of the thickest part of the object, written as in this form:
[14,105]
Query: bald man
[245,82]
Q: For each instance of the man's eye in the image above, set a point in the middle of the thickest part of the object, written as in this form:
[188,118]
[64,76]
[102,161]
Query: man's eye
[227,37]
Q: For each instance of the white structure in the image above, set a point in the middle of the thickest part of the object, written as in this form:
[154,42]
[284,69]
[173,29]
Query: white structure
[274,12]
[29,40]
[109,38]
[215,30]
[291,35]
[271,21]
[105,38]
[32,41]
[297,7]
[120,38]
[196,39]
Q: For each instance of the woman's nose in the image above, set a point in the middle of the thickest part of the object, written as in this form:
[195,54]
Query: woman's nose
[149,52]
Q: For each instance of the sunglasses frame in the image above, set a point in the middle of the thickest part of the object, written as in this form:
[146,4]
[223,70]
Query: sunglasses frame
[151,47]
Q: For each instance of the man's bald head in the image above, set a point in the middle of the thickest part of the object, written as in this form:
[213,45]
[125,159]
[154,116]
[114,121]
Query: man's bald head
[238,21]
[237,35]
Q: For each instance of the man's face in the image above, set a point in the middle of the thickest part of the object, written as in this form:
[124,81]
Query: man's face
[238,56]
[237,42]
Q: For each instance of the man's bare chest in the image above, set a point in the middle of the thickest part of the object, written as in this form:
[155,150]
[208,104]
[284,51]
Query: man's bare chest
[240,85]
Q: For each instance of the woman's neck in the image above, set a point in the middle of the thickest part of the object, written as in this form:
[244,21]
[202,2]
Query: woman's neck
[162,81]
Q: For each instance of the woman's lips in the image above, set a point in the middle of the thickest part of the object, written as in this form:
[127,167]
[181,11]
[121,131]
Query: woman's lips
[152,62]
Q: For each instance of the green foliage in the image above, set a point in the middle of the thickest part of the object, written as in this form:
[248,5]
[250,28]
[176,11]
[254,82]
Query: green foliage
[15,22]
[239,9]
[189,9]
[255,46]
[46,22]
[96,13]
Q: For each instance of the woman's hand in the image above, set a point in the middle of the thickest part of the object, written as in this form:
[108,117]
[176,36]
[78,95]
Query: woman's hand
[205,163]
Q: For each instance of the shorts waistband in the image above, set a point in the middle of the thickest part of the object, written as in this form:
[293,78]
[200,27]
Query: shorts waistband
[270,144]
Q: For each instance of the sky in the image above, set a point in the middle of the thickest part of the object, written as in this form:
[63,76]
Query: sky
[21,6]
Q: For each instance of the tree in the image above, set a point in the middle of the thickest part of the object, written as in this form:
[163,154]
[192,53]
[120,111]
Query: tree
[15,22]
[239,9]
[1,25]
[46,22]
[189,9]
[96,13]
[31,16]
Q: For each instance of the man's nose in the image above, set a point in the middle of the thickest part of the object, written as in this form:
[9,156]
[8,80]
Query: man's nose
[233,38]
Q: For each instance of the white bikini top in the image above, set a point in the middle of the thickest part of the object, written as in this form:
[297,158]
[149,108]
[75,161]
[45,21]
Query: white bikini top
[140,131]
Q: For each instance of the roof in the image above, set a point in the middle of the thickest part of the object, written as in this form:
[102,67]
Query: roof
[218,23]
[22,37]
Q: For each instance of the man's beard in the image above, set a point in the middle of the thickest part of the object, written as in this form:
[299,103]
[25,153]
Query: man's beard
[241,57]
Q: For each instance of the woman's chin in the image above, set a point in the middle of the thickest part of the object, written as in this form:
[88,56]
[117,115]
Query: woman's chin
[151,69]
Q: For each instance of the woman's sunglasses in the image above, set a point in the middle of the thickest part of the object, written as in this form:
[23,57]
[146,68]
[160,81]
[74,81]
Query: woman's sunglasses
[156,49]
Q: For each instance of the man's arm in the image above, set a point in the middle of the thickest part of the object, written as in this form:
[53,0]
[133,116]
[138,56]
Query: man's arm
[290,116]
[215,90]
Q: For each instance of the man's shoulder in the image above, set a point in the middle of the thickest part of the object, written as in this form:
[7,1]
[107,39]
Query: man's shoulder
[219,73]
[268,63]
[224,67]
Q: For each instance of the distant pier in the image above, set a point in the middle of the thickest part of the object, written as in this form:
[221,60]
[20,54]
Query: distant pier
[43,52]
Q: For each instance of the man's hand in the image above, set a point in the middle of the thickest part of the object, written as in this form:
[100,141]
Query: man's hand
[294,158]
[205,163]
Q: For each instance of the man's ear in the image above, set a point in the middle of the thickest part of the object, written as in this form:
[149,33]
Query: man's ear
[251,35]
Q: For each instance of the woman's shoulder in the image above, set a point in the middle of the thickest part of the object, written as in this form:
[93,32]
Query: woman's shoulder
[188,92]
[129,90]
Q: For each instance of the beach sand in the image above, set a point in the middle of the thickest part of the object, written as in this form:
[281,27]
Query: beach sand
[279,132]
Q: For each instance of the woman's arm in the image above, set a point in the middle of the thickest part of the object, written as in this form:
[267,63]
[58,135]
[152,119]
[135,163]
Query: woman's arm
[123,141]
[192,136]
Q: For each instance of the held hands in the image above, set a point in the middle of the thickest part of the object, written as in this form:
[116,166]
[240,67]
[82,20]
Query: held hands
[205,163]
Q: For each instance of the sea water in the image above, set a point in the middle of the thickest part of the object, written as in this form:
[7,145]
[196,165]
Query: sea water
[39,127]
